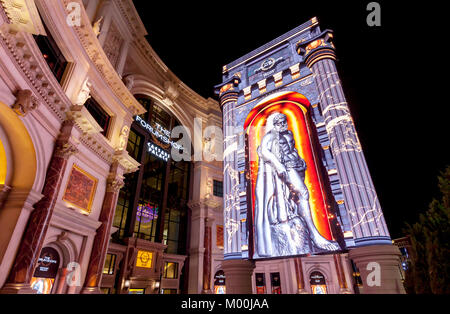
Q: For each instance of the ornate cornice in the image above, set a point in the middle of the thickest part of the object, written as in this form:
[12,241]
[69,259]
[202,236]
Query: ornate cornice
[98,57]
[23,16]
[98,144]
[28,60]
[126,161]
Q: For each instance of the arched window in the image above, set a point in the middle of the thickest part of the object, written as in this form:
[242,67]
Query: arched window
[45,273]
[318,283]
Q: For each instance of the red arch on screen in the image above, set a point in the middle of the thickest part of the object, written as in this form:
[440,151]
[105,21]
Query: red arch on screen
[295,106]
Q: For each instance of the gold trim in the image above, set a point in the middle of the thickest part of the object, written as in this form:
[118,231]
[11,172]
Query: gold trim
[264,51]
[93,191]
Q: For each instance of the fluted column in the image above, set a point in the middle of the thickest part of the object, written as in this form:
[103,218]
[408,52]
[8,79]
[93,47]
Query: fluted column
[300,276]
[370,233]
[361,200]
[228,94]
[101,240]
[33,239]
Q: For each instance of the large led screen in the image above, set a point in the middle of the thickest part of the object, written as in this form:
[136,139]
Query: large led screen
[290,202]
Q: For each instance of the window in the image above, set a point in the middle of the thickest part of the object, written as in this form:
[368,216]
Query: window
[146,103]
[170,270]
[100,115]
[51,54]
[150,200]
[110,263]
[124,204]
[260,283]
[134,144]
[168,291]
[218,188]
[276,285]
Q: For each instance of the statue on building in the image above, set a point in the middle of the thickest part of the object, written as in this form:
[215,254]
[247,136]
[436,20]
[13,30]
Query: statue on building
[283,220]
[84,94]
[129,81]
[123,138]
[97,26]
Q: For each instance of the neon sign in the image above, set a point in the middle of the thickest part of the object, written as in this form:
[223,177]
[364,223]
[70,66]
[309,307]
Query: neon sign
[159,132]
[146,213]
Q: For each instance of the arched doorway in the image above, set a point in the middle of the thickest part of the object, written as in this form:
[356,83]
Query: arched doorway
[219,282]
[18,168]
[46,271]
[318,283]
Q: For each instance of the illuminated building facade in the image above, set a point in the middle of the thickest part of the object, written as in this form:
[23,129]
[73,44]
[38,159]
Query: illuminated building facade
[90,199]
[301,199]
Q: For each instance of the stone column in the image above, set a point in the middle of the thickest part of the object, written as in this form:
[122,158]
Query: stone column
[340,274]
[300,276]
[62,280]
[228,94]
[382,258]
[33,238]
[238,276]
[101,240]
[207,257]
[361,201]
[196,249]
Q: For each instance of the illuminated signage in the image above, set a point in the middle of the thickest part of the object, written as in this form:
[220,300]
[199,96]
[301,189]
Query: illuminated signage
[158,151]
[48,263]
[146,213]
[159,132]
[219,283]
[289,202]
[144,259]
[46,271]
[318,283]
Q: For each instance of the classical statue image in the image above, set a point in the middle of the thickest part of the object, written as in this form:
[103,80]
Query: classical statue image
[283,221]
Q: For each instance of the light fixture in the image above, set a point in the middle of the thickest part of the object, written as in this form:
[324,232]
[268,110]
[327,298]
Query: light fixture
[126,284]
[157,284]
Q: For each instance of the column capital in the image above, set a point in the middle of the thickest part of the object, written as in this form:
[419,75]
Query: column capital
[228,91]
[66,144]
[318,48]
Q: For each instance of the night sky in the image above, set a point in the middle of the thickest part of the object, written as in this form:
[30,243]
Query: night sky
[388,75]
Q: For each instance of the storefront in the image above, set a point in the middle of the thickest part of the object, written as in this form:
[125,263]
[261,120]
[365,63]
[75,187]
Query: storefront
[152,206]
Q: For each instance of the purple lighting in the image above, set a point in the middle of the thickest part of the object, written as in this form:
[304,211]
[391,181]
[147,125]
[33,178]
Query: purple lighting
[146,213]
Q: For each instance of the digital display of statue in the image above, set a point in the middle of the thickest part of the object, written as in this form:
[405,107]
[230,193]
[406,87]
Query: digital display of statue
[290,205]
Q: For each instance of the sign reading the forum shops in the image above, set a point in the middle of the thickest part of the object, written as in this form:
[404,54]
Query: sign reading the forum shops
[160,134]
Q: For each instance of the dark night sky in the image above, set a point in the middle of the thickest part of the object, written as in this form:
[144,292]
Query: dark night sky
[396,102]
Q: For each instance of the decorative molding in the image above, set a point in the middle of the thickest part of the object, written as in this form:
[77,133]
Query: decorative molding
[98,144]
[27,58]
[23,16]
[114,184]
[95,51]
[126,161]
[25,102]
